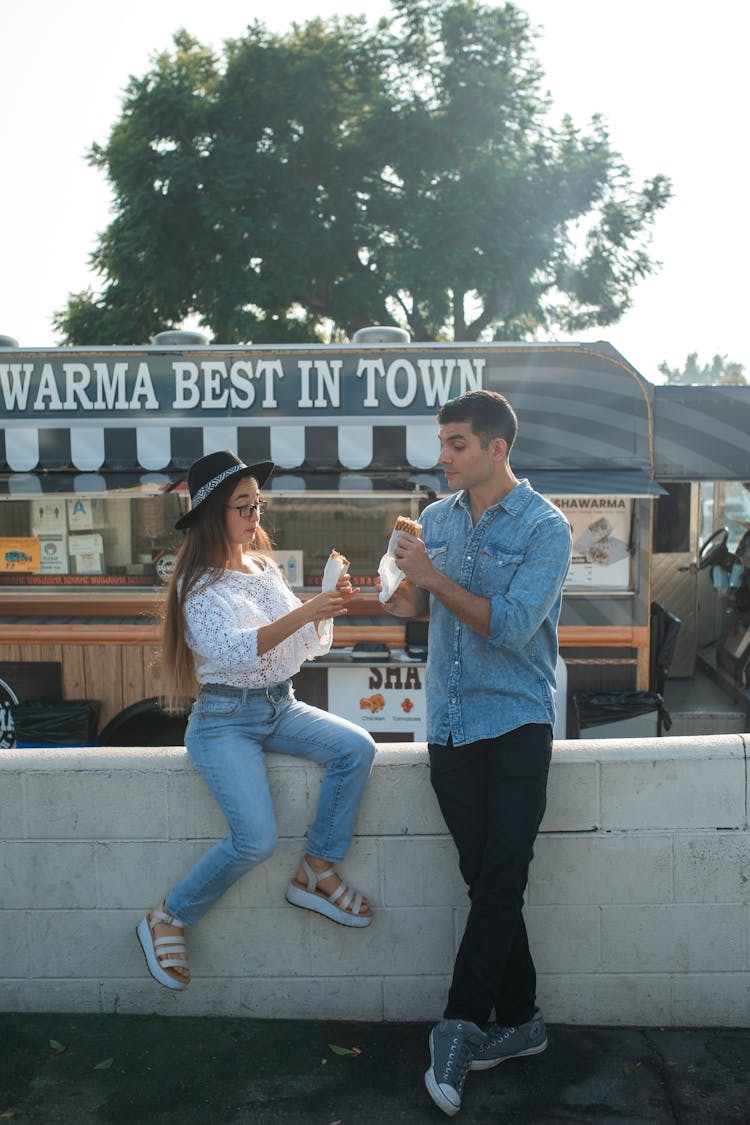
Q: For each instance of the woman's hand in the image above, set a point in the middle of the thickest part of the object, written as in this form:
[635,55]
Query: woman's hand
[344,586]
[329,603]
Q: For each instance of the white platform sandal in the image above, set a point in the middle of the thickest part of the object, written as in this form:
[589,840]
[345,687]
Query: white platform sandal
[161,952]
[342,905]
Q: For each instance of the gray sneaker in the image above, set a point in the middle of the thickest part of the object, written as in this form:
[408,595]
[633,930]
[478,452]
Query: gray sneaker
[503,1043]
[452,1043]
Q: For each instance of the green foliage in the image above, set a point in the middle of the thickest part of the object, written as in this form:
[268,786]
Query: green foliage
[307,184]
[719,370]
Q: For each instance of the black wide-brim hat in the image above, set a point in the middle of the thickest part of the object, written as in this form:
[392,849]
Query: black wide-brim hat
[211,471]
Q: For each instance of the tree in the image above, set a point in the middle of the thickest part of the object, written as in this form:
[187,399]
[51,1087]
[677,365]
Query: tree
[719,370]
[304,185]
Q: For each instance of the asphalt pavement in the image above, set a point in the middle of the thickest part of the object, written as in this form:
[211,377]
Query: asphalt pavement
[155,1070]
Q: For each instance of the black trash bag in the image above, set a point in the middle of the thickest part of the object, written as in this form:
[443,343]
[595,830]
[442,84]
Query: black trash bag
[665,629]
[56,722]
[597,708]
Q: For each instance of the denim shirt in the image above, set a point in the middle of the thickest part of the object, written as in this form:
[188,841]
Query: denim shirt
[518,557]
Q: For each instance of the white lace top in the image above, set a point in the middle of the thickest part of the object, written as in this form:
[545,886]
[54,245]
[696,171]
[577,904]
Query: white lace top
[222,620]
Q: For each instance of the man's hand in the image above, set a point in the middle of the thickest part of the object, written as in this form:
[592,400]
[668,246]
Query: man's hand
[411,557]
[407,601]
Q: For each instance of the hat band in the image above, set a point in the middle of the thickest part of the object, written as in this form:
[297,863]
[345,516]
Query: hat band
[204,492]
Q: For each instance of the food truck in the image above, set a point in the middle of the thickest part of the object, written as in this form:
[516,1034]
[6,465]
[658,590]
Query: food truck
[96,443]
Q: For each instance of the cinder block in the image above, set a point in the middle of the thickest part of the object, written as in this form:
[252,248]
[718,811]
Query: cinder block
[193,813]
[572,792]
[210,996]
[105,805]
[712,867]
[294,789]
[564,939]
[619,999]
[11,801]
[422,871]
[599,868]
[399,801]
[642,789]
[241,943]
[403,942]
[710,999]
[673,938]
[14,942]
[86,944]
[50,996]
[41,874]
[415,998]
[135,875]
[313,998]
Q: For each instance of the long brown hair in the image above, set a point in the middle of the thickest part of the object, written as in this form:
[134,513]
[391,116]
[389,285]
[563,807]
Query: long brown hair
[205,552]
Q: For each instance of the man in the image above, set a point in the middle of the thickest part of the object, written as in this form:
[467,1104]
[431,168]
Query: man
[490,567]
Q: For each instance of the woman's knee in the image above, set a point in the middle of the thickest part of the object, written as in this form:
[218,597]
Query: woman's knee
[363,750]
[255,849]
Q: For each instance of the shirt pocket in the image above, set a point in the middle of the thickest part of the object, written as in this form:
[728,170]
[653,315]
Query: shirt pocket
[438,555]
[496,570]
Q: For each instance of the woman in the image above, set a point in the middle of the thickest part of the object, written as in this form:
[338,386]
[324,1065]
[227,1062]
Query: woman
[233,625]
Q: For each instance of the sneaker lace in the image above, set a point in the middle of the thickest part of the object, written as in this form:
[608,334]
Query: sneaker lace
[499,1035]
[457,1063]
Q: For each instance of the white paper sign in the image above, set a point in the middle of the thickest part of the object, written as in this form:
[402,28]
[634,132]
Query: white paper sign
[601,540]
[48,517]
[53,554]
[380,697]
[81,513]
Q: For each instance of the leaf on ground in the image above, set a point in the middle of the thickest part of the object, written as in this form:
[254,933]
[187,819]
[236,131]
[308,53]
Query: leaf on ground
[105,1064]
[57,1047]
[8,1113]
[344,1050]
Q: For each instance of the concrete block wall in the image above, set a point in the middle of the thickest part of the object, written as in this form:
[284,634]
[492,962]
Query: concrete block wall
[638,900]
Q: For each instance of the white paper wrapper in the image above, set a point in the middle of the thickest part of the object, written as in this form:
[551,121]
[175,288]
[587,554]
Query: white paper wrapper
[389,573]
[334,568]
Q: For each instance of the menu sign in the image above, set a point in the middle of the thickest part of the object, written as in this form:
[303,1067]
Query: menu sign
[381,698]
[601,527]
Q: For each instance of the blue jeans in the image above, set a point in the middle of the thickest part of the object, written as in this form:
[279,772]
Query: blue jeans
[228,733]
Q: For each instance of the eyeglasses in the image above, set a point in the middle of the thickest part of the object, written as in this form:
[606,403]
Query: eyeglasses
[244,511]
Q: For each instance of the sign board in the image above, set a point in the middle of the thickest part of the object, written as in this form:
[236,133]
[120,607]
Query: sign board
[86,551]
[48,517]
[601,527]
[19,554]
[53,552]
[382,698]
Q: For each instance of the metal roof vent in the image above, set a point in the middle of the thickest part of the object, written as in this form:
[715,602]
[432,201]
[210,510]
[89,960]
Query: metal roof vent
[179,336]
[8,342]
[381,334]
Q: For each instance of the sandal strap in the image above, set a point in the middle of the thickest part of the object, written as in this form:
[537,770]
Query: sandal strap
[160,917]
[351,900]
[173,963]
[172,944]
[314,877]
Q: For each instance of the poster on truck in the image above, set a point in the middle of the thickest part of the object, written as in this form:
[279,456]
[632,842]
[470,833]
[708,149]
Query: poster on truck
[382,698]
[601,540]
[19,555]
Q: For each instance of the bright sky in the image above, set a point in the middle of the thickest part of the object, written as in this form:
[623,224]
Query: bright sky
[670,78]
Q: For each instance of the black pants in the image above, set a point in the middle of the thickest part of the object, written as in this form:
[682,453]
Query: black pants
[493,794]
